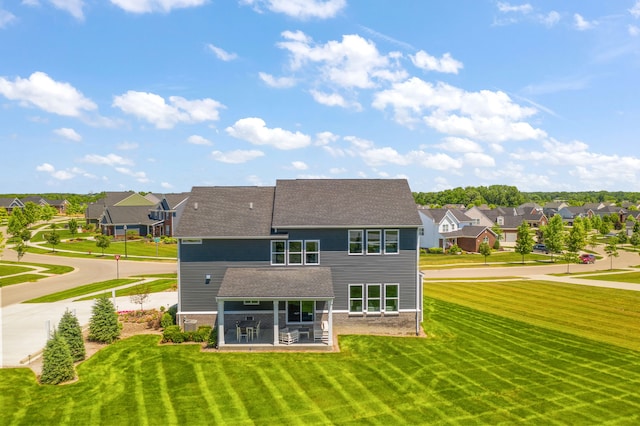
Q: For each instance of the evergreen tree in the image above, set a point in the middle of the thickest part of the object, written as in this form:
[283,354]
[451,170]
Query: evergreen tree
[524,242]
[103,325]
[69,328]
[57,363]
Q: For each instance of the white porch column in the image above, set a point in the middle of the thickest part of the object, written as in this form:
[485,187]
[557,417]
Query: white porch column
[330,322]
[220,323]
[276,326]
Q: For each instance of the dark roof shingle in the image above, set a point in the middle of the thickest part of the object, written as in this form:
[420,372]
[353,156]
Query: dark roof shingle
[277,283]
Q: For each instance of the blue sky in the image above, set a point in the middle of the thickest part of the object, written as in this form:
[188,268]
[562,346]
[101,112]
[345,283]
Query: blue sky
[163,95]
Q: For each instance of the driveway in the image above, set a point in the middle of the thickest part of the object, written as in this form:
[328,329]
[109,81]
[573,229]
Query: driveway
[25,326]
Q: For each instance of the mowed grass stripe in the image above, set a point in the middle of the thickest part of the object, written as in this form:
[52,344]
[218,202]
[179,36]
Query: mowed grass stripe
[620,329]
[205,389]
[595,387]
[164,395]
[139,393]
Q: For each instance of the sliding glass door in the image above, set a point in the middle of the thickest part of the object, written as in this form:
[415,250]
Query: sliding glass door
[299,311]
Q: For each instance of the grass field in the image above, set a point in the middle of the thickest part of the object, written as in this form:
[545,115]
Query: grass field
[481,369]
[505,258]
[155,286]
[10,268]
[134,248]
[84,289]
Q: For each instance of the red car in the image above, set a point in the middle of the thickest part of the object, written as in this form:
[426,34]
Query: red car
[587,258]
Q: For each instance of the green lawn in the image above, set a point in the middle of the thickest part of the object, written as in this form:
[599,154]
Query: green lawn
[154,286]
[83,290]
[134,248]
[9,268]
[628,277]
[12,269]
[505,258]
[481,369]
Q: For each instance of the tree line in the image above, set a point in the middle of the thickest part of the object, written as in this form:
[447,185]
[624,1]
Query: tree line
[510,196]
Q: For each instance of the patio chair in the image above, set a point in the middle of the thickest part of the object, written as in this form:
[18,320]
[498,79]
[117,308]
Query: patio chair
[242,332]
[257,330]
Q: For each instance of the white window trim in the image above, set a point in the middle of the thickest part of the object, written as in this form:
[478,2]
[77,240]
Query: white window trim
[284,252]
[380,299]
[192,241]
[362,242]
[397,231]
[289,253]
[397,298]
[362,299]
[317,252]
[366,246]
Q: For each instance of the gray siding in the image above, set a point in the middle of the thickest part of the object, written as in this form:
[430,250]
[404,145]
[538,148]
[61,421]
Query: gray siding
[213,257]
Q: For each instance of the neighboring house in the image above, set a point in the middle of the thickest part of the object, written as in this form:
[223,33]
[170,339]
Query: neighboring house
[437,222]
[59,205]
[11,203]
[152,214]
[342,253]
[469,238]
[509,220]
[477,213]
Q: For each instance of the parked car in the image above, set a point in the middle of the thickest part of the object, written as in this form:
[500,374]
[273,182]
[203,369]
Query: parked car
[587,258]
[540,247]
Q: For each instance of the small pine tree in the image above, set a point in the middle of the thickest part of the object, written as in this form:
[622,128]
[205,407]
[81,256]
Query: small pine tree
[70,329]
[103,325]
[57,363]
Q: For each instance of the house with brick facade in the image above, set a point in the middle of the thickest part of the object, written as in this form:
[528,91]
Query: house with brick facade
[300,261]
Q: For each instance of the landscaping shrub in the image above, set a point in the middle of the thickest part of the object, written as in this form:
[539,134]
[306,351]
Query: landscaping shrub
[173,334]
[57,363]
[435,250]
[69,328]
[455,249]
[173,311]
[202,334]
[167,320]
[212,340]
[104,326]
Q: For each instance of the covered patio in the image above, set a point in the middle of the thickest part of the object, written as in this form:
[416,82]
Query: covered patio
[275,307]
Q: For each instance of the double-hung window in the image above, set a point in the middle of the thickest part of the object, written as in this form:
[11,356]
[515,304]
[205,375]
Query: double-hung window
[312,252]
[391,241]
[374,298]
[295,253]
[356,238]
[391,297]
[374,237]
[278,252]
[356,298]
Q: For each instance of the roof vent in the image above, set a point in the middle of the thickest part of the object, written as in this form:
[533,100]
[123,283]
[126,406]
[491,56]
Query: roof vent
[195,205]
[250,206]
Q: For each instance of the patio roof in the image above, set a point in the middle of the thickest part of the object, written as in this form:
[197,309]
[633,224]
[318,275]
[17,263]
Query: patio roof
[312,283]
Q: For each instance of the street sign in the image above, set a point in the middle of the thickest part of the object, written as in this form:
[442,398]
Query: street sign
[117,257]
[156,240]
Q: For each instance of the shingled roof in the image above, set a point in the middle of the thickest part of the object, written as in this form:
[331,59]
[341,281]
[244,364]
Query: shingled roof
[227,211]
[344,202]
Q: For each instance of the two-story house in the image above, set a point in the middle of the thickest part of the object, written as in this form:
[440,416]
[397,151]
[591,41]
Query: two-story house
[338,252]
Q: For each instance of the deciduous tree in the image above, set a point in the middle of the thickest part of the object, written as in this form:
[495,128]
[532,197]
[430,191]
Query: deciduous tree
[103,242]
[553,234]
[485,250]
[524,241]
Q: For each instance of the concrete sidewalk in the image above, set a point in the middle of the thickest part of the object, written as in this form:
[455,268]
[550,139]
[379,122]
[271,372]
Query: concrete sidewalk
[26,326]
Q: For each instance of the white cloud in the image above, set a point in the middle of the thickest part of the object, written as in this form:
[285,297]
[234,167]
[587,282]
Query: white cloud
[149,6]
[139,176]
[198,140]
[6,18]
[477,159]
[635,10]
[74,7]
[582,24]
[484,115]
[325,138]
[427,62]
[550,19]
[633,30]
[505,7]
[299,165]
[127,146]
[300,9]
[334,99]
[42,91]
[455,144]
[254,130]
[154,109]
[68,133]
[60,174]
[237,156]
[107,160]
[351,63]
[277,82]
[222,54]
[166,185]
[337,170]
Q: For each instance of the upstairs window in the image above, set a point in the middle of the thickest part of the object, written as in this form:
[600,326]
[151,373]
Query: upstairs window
[355,241]
[391,241]
[278,252]
[295,252]
[312,252]
[373,241]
